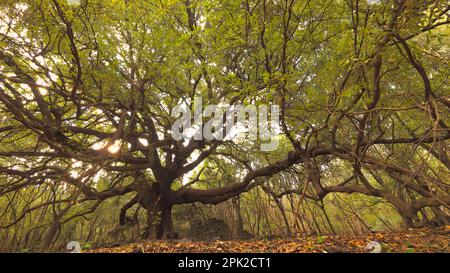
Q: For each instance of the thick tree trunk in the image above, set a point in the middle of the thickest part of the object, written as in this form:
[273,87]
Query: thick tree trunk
[165,224]
[159,223]
[409,216]
[148,229]
[158,205]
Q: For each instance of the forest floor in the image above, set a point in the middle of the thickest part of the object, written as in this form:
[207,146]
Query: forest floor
[405,241]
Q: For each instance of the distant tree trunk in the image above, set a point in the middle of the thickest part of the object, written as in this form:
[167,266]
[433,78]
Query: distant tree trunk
[280,206]
[54,227]
[440,215]
[51,232]
[322,206]
[239,230]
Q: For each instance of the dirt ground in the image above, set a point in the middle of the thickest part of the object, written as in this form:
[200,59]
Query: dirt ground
[405,241]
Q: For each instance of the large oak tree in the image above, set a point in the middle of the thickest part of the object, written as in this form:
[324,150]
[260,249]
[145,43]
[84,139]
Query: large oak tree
[86,92]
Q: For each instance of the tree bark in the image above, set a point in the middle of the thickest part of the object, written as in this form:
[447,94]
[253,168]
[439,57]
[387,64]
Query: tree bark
[157,201]
[165,224]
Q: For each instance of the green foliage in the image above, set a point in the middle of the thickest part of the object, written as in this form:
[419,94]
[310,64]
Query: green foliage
[85,127]
[321,239]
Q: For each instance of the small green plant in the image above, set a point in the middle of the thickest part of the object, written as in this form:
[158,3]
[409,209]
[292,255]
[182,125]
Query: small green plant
[321,239]
[410,250]
[409,244]
[86,246]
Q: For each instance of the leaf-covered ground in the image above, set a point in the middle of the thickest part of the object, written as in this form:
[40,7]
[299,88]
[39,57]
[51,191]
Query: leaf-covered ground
[407,241]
